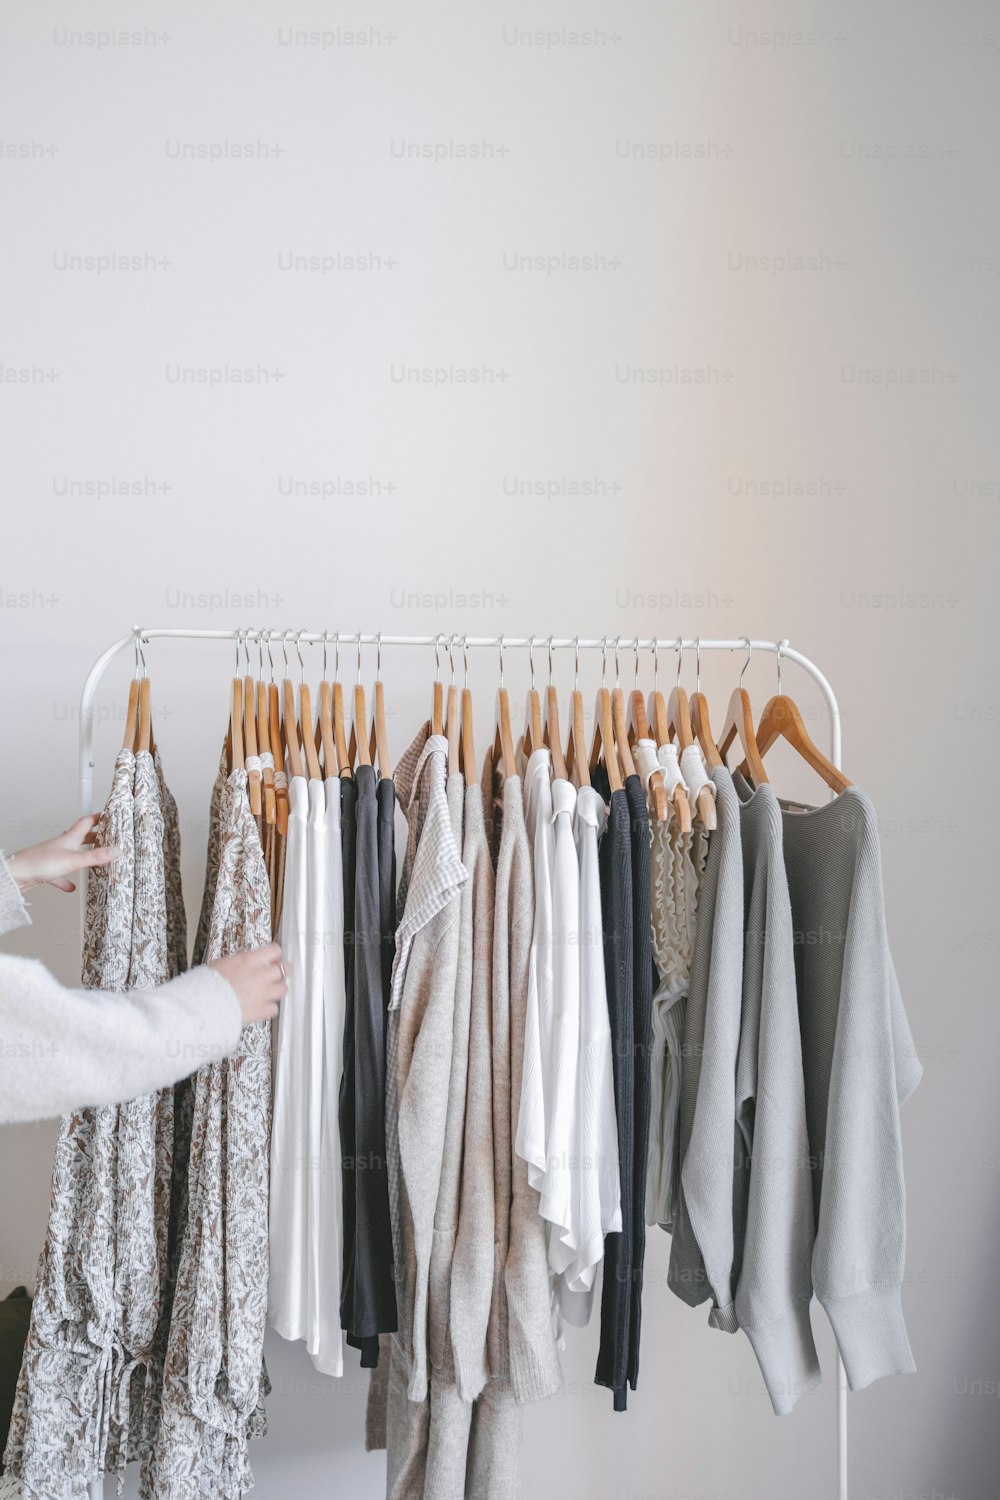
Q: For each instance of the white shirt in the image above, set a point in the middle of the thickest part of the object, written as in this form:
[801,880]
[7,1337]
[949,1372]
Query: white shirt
[597,1208]
[288,1212]
[325,1341]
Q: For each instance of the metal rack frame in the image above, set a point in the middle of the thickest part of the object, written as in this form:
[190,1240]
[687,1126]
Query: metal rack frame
[140,635]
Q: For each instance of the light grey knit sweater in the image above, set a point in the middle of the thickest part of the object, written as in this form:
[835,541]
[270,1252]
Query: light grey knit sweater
[772,1201]
[860,1066]
[63,1049]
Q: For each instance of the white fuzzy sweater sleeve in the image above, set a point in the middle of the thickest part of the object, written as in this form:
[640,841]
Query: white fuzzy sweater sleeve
[62,1049]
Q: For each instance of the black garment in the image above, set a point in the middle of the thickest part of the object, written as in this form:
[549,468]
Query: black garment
[643,984]
[368,1297]
[615,864]
[345,1108]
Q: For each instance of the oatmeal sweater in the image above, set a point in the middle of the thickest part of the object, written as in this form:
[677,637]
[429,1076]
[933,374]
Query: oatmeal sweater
[63,1049]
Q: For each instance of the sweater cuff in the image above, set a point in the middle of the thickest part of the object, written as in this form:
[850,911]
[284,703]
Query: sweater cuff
[535,1374]
[724,1318]
[786,1354]
[13,911]
[871,1334]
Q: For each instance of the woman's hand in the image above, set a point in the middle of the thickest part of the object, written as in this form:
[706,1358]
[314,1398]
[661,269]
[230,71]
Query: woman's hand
[258,977]
[50,863]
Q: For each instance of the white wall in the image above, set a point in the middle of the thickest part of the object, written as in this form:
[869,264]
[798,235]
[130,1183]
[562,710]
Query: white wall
[779,477]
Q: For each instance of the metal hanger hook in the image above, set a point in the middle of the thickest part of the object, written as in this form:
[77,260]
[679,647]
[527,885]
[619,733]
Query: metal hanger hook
[635,685]
[270,658]
[298,653]
[746,642]
[697,663]
[618,641]
[501,661]
[550,658]
[451,659]
[531,660]
[656,664]
[359,658]
[260,653]
[576,664]
[139,654]
[465,659]
[604,661]
[284,647]
[336,656]
[326,637]
[779,647]
[378,657]
[679,648]
[437,655]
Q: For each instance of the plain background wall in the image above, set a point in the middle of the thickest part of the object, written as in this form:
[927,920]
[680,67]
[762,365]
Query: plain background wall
[764,402]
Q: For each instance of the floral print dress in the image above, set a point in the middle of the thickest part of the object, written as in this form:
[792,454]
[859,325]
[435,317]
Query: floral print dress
[214,1377]
[62,1426]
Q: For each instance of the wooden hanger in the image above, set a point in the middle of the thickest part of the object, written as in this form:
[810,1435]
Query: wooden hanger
[131,715]
[453,719]
[144,737]
[267,776]
[781,719]
[331,760]
[237,761]
[679,727]
[289,726]
[551,731]
[576,757]
[469,767]
[637,726]
[378,744]
[307,734]
[503,739]
[604,734]
[277,747]
[622,746]
[437,710]
[700,720]
[359,745]
[534,732]
[739,725]
[254,778]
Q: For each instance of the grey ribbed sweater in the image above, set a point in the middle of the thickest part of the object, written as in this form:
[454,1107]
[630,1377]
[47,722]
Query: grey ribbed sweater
[773,1194]
[860,1065]
[702,1246]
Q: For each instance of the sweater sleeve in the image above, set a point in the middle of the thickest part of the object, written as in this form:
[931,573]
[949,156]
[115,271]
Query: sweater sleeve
[775,1279]
[861,1237]
[13,911]
[63,1049]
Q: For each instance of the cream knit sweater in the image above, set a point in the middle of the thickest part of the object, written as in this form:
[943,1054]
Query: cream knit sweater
[63,1049]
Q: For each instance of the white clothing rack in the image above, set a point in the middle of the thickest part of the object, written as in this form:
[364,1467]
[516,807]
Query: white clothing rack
[613,646]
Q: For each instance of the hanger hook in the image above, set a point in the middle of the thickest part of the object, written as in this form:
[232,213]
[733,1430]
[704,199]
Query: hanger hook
[284,647]
[437,657]
[465,658]
[298,653]
[656,664]
[336,656]
[531,660]
[260,652]
[680,657]
[451,659]
[501,661]
[576,663]
[550,658]
[635,685]
[746,642]
[604,661]
[618,641]
[779,647]
[326,637]
[359,658]
[268,633]
[378,657]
